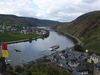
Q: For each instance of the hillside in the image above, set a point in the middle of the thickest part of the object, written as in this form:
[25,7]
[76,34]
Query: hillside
[25,21]
[87,28]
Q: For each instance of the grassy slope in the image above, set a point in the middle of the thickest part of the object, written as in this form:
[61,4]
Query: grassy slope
[87,28]
[25,21]
[16,36]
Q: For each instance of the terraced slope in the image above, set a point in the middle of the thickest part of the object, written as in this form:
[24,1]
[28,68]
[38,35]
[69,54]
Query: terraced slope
[87,28]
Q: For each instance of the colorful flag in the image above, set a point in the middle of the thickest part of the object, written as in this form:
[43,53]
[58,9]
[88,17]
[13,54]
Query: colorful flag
[4,50]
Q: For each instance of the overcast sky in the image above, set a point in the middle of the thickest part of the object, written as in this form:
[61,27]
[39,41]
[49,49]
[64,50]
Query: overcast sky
[59,10]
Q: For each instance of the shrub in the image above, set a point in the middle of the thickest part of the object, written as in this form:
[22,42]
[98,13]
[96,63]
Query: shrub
[78,48]
[19,69]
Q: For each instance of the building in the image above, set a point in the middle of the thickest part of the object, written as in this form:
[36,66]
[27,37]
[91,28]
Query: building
[96,69]
[73,63]
[24,31]
[83,70]
[94,58]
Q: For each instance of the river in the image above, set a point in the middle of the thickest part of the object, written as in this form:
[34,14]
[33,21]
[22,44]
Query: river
[37,48]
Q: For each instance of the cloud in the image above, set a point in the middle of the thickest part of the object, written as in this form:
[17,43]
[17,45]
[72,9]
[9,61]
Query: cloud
[60,10]
[89,1]
[57,10]
[65,10]
[17,7]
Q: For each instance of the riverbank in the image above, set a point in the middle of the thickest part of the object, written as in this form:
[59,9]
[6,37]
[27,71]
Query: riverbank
[17,37]
[75,39]
[24,40]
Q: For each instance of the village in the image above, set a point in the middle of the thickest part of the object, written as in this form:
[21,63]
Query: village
[77,63]
[22,29]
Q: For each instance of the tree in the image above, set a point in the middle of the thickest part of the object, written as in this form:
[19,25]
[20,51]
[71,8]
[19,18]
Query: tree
[78,48]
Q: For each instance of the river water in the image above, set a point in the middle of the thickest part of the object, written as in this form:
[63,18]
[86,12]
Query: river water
[37,48]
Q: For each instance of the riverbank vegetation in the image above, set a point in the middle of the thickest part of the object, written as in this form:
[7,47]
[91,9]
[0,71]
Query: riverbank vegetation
[38,69]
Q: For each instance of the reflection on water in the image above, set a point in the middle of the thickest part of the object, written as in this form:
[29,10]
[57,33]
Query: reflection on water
[33,50]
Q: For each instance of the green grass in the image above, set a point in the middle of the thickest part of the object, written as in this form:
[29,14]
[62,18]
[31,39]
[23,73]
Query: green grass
[5,36]
[88,40]
[95,47]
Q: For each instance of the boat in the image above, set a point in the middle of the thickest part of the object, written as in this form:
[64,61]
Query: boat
[17,50]
[52,48]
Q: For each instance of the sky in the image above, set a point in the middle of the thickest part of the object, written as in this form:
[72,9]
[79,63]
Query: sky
[58,10]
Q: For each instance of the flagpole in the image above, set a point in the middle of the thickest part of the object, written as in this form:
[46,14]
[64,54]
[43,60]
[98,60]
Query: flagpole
[3,61]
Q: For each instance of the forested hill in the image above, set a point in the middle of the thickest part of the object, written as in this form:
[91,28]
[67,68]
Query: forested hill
[25,21]
[87,28]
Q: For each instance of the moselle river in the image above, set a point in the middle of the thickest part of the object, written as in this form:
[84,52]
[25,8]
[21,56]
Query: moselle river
[37,48]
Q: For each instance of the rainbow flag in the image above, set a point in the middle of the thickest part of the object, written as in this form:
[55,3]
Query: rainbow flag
[4,50]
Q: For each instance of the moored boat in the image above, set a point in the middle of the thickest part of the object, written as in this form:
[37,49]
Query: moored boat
[54,47]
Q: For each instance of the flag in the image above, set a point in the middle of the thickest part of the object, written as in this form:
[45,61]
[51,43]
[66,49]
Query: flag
[4,50]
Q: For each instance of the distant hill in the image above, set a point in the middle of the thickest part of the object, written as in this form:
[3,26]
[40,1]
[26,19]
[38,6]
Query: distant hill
[25,21]
[87,28]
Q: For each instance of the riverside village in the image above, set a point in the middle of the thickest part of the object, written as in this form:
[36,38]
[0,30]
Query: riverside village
[70,59]
[49,37]
[21,29]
